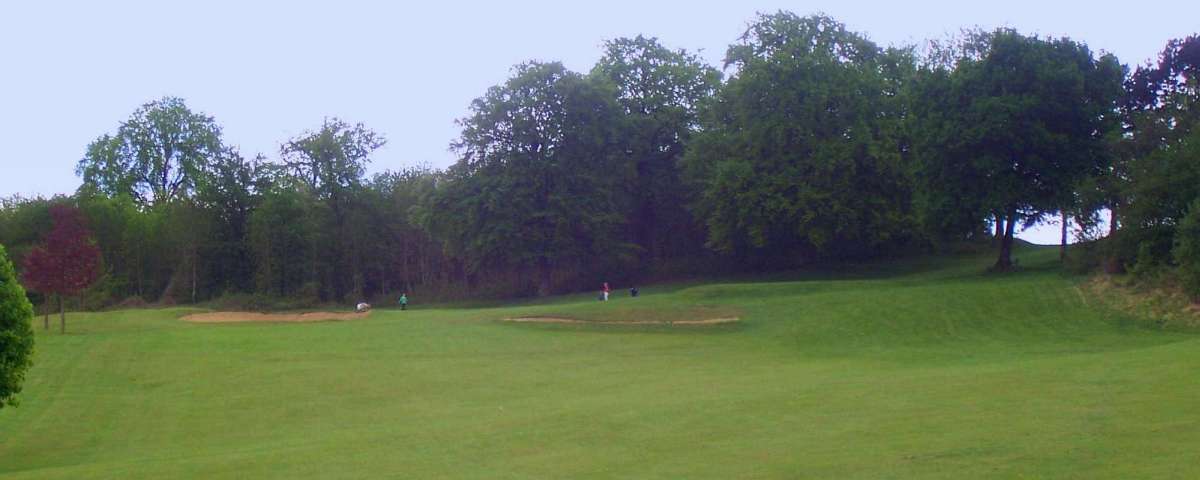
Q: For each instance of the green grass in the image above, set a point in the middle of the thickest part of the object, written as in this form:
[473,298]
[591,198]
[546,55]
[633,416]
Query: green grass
[925,368]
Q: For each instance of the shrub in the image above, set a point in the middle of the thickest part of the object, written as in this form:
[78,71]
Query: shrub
[1187,250]
[1149,248]
[16,332]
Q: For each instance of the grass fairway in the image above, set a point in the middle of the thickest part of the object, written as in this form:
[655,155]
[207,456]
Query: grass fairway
[923,369]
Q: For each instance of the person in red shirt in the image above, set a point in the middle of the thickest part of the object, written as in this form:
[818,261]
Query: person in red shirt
[605,289]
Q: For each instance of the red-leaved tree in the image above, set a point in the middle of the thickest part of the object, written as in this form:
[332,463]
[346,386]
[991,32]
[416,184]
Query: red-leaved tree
[67,263]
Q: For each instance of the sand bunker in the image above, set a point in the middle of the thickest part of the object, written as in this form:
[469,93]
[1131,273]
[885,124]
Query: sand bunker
[241,317]
[707,321]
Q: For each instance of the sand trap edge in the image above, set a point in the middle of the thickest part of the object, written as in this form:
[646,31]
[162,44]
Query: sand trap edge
[572,321]
[254,317]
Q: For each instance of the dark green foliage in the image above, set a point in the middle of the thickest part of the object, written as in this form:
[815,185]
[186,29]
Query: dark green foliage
[332,162]
[228,193]
[537,183]
[801,152]
[1013,129]
[821,146]
[23,223]
[399,254]
[1163,184]
[955,209]
[1187,250]
[659,91]
[16,332]
[282,238]
[1157,179]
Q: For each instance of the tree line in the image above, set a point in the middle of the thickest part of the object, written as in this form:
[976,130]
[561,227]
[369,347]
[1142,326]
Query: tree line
[811,144]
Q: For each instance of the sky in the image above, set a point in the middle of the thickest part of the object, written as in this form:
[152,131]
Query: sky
[269,71]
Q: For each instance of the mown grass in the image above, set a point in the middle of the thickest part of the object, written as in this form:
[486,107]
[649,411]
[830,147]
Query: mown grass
[923,369]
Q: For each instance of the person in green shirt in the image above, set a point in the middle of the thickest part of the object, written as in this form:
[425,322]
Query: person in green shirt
[403,301]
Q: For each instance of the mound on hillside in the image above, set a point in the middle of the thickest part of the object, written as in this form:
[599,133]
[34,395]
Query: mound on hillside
[243,317]
[630,313]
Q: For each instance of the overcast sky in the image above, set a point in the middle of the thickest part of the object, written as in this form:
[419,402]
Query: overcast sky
[268,71]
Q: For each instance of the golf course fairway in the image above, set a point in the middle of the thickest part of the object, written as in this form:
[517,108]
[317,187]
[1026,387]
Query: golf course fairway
[925,368]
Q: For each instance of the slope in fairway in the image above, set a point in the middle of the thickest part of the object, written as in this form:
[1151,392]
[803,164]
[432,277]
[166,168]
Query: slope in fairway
[929,370]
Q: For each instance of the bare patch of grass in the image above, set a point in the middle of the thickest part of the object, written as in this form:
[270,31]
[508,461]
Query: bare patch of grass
[1161,302]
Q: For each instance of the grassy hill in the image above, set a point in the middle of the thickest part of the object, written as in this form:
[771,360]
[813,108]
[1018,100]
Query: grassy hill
[924,368]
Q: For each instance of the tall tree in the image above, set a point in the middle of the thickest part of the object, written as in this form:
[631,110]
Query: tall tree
[955,210]
[155,156]
[67,262]
[1158,177]
[281,237]
[16,332]
[332,161]
[1023,124]
[402,255]
[659,91]
[230,190]
[534,184]
[801,152]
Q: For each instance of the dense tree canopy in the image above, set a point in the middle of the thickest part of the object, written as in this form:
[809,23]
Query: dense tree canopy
[1019,128]
[332,162]
[818,145]
[155,156]
[801,150]
[659,90]
[1162,108]
[537,183]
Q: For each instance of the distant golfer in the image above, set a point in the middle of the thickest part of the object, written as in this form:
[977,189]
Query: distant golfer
[633,292]
[606,291]
[403,301]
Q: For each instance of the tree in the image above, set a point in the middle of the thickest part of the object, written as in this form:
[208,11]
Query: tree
[280,237]
[23,223]
[801,152]
[16,332]
[229,190]
[1022,125]
[155,156]
[399,253]
[535,181]
[659,91]
[332,161]
[1158,176]
[955,210]
[67,262]
[1168,91]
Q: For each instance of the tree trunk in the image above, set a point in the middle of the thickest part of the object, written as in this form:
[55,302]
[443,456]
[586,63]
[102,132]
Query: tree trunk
[1004,263]
[1113,264]
[62,316]
[543,265]
[46,307]
[1066,220]
[194,254]
[138,261]
[999,229]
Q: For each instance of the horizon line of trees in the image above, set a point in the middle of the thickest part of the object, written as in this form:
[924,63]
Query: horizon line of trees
[819,146]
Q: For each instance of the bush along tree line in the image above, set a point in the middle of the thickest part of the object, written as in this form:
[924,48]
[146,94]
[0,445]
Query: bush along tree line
[811,144]
[16,333]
